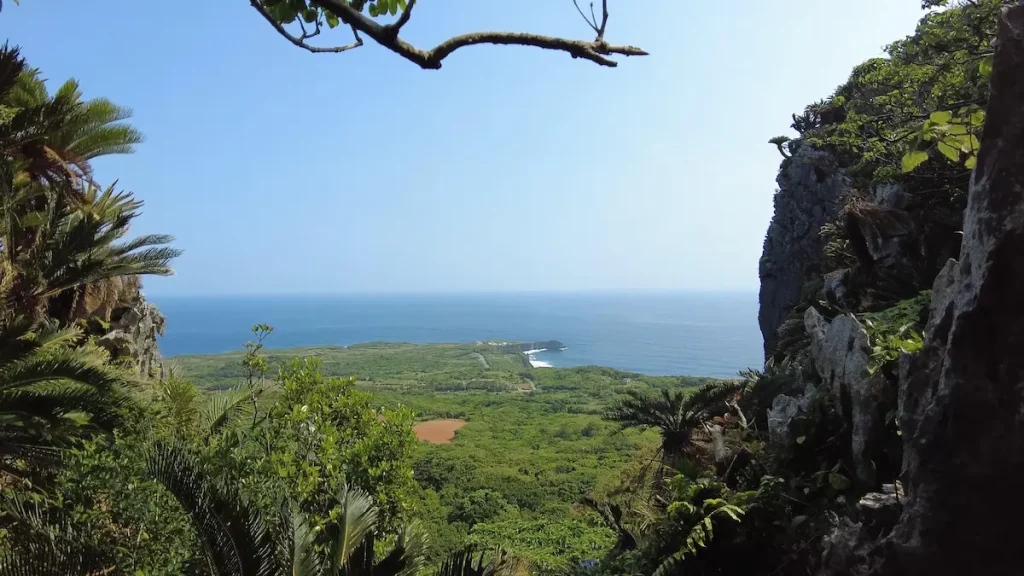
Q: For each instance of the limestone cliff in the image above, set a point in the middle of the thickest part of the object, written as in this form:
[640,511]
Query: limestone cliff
[132,335]
[810,195]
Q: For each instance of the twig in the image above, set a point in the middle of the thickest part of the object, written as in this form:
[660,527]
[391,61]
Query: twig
[300,42]
[591,23]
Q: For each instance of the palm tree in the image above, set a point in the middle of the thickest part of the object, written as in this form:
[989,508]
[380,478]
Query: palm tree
[63,238]
[56,136]
[236,541]
[50,392]
[675,413]
[61,258]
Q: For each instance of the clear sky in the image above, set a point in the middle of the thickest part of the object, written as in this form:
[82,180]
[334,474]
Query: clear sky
[281,171]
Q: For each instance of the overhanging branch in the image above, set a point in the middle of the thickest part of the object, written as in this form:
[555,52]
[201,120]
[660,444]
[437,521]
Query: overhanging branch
[300,41]
[597,51]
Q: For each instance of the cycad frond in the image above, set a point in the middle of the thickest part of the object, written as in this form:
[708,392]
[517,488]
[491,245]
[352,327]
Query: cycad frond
[51,392]
[711,397]
[234,537]
[76,364]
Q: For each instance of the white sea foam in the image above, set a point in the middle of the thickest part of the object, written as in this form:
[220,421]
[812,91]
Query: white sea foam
[539,363]
[532,352]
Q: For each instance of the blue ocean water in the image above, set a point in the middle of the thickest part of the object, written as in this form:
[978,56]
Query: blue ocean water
[700,334]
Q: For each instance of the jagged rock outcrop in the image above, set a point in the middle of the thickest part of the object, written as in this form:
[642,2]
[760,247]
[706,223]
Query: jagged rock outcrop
[132,337]
[851,548]
[784,410]
[963,397]
[842,357]
[811,192]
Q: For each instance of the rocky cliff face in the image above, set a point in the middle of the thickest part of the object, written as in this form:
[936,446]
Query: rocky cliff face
[811,193]
[132,337]
[963,394]
[960,399]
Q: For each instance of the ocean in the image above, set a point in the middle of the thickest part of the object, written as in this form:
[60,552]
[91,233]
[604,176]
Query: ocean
[698,334]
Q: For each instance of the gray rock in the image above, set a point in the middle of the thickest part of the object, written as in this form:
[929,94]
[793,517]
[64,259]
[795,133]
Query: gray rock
[943,294]
[855,548]
[782,413]
[841,356]
[964,400]
[836,286]
[891,196]
[133,336]
[811,192]
[884,237]
[879,511]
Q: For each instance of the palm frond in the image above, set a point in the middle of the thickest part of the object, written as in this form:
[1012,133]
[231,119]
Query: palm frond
[219,410]
[470,563]
[11,67]
[356,521]
[234,537]
[295,545]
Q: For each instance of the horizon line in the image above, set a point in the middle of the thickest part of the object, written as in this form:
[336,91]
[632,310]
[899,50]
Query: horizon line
[385,293]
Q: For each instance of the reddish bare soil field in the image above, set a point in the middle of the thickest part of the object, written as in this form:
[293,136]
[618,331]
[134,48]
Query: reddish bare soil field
[438,431]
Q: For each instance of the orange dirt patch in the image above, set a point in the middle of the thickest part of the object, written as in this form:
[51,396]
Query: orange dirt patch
[438,431]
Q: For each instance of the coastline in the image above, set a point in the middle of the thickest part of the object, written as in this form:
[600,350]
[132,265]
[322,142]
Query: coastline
[533,359]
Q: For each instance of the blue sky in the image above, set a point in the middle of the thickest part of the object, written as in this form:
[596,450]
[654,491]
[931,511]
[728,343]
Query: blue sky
[510,169]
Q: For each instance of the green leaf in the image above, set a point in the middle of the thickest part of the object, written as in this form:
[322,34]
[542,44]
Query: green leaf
[394,7]
[838,481]
[978,118]
[373,10]
[801,439]
[985,67]
[913,159]
[949,152]
[402,4]
[941,117]
[956,129]
[971,162]
[309,15]
[332,20]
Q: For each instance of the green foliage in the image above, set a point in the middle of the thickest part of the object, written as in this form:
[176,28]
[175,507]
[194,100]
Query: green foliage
[479,506]
[697,505]
[238,541]
[288,11]
[924,97]
[955,134]
[551,544]
[320,434]
[895,331]
[522,455]
[674,413]
[51,393]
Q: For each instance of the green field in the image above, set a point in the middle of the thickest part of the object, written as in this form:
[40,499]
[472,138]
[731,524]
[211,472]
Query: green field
[533,446]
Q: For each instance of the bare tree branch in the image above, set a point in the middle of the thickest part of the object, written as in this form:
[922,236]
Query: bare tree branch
[596,51]
[604,19]
[592,21]
[301,41]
